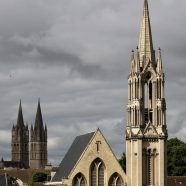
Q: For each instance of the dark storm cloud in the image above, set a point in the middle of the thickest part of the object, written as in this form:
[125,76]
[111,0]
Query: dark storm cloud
[73,61]
[74,55]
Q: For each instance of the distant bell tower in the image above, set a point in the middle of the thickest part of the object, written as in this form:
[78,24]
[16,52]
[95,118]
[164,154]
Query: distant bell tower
[20,140]
[38,142]
[146,131]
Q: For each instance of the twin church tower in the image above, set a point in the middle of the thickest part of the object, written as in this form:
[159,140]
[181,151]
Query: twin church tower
[146,131]
[30,152]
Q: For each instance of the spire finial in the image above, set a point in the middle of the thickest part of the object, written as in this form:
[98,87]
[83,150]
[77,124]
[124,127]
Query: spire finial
[132,55]
[145,39]
[159,53]
[132,62]
[137,69]
[159,68]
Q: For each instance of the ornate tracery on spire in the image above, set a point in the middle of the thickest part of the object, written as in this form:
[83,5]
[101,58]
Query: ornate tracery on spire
[146,81]
[146,131]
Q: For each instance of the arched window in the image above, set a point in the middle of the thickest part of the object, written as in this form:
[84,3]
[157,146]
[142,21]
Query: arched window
[79,180]
[116,180]
[97,171]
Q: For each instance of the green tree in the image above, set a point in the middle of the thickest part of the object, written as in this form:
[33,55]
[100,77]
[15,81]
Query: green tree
[11,180]
[176,157]
[122,161]
[38,177]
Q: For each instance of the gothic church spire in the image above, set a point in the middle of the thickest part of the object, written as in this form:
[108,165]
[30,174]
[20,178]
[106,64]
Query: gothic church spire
[159,68]
[39,118]
[20,120]
[20,140]
[146,50]
[38,158]
[146,131]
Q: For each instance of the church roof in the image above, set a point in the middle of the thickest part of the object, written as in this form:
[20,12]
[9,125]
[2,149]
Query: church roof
[12,164]
[72,156]
[24,175]
[176,180]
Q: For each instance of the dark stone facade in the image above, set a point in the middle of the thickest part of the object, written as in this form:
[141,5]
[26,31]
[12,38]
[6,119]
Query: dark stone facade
[38,141]
[20,140]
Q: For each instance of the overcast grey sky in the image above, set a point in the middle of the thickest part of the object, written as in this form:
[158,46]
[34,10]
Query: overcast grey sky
[74,55]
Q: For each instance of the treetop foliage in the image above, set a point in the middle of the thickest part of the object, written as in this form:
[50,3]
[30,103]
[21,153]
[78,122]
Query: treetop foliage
[176,157]
[38,177]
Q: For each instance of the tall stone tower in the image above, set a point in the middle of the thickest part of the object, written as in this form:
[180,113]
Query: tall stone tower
[38,142]
[146,133]
[20,140]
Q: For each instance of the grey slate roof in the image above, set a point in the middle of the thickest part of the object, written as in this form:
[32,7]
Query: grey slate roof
[13,164]
[3,180]
[72,156]
[176,180]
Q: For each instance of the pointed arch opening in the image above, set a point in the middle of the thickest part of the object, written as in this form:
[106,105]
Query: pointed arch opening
[79,180]
[97,173]
[148,96]
[116,180]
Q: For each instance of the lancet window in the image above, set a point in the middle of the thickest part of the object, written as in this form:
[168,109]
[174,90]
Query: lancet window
[150,162]
[79,180]
[97,173]
[116,180]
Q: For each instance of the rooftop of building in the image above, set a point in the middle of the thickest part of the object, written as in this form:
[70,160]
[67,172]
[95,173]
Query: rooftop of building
[176,180]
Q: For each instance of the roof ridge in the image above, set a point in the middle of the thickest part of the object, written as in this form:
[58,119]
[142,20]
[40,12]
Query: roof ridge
[85,134]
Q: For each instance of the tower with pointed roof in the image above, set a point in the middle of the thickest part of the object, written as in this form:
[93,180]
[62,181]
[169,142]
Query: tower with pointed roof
[146,131]
[38,142]
[20,140]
